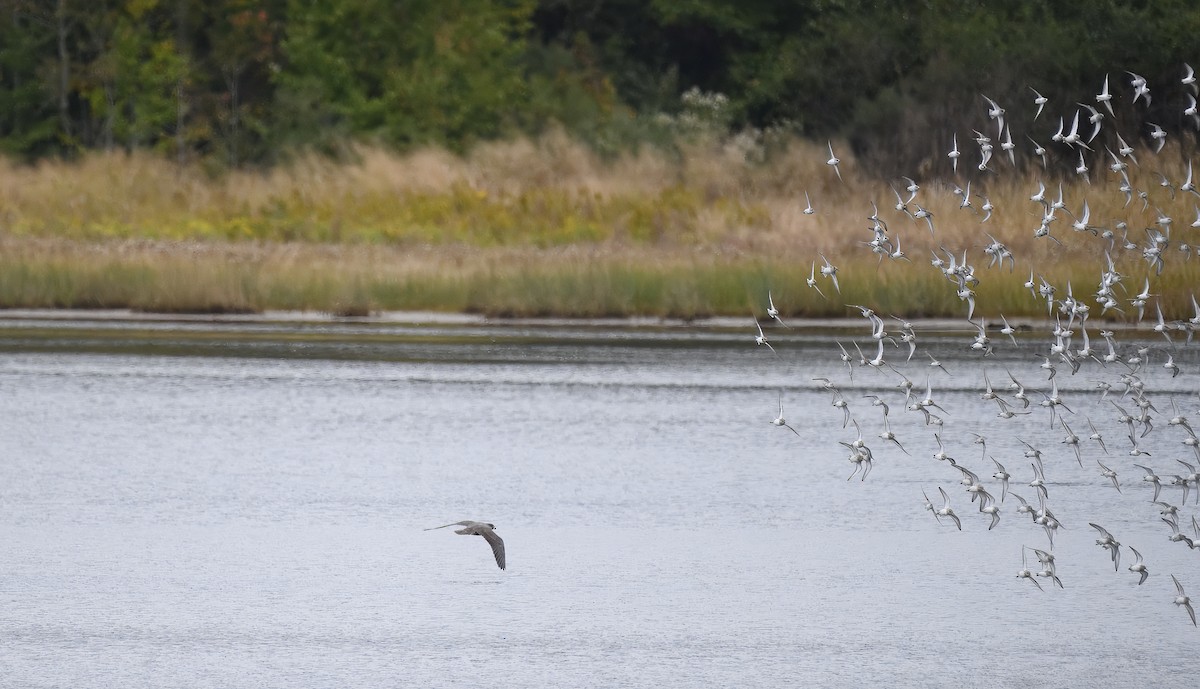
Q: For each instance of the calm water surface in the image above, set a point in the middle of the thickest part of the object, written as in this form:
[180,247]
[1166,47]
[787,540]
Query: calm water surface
[200,505]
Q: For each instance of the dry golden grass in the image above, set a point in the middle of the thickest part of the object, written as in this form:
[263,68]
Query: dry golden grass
[719,197]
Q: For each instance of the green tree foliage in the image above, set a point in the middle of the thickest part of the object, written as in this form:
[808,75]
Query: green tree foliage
[28,124]
[440,72]
[134,92]
[239,82]
[239,56]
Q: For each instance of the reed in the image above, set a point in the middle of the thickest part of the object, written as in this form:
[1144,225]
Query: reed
[547,228]
[569,282]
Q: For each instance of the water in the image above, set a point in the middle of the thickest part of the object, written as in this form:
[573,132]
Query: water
[240,504]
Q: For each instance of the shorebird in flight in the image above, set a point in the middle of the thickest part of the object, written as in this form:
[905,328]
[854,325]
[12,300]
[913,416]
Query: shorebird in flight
[1182,600]
[1039,100]
[830,271]
[1138,567]
[1025,573]
[1105,97]
[833,162]
[780,421]
[761,338]
[484,529]
[1109,543]
[811,281]
[774,312]
[946,510]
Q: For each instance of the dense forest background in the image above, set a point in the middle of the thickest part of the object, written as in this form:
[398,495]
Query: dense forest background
[237,83]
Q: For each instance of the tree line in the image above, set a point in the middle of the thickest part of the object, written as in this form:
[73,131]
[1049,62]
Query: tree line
[236,83]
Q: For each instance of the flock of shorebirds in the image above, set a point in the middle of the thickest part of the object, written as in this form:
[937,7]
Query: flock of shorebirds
[1124,371]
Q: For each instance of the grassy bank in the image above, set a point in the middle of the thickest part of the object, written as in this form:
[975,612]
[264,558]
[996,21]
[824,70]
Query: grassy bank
[570,281]
[535,228]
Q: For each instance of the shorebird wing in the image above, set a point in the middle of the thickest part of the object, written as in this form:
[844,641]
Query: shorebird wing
[497,544]
[446,525]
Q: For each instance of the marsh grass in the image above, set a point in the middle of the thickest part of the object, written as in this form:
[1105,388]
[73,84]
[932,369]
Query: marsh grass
[568,282]
[545,228]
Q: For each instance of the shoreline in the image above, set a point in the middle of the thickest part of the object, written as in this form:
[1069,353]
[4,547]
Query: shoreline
[9,317]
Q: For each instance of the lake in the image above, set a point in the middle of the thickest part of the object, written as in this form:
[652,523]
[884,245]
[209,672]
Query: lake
[241,502]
